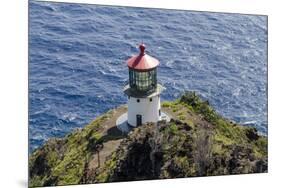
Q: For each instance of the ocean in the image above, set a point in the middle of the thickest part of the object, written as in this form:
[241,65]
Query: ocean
[78,53]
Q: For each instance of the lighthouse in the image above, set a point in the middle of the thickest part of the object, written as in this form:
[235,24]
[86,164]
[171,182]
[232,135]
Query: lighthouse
[143,91]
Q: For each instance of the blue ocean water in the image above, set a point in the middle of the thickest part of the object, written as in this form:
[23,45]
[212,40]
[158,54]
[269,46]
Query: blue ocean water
[77,64]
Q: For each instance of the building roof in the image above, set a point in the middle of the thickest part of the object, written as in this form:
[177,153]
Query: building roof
[142,61]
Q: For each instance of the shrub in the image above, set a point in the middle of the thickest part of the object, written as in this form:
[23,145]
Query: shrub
[173,128]
[199,106]
[182,117]
[166,104]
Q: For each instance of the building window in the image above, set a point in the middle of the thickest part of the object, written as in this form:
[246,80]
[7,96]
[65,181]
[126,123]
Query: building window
[143,81]
[159,112]
[138,100]
[150,99]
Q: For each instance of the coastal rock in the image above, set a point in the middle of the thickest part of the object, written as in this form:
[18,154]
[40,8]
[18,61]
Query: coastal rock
[196,142]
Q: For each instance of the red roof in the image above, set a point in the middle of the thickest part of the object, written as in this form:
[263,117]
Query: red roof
[142,61]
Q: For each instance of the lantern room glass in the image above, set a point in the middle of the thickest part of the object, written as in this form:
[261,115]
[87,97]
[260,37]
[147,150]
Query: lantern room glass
[143,81]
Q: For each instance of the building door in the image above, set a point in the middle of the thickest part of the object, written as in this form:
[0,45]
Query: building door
[139,120]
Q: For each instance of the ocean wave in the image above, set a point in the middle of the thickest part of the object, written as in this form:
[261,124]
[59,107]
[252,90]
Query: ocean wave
[78,62]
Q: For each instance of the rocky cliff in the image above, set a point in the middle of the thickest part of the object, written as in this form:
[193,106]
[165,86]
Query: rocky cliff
[196,142]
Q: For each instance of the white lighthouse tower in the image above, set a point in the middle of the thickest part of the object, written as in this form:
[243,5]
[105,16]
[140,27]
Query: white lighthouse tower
[143,91]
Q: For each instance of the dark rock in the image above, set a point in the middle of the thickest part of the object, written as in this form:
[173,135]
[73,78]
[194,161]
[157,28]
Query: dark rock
[50,181]
[187,127]
[40,165]
[252,134]
[176,121]
[175,170]
[261,166]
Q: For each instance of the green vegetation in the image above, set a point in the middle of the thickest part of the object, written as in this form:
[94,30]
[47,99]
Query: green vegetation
[226,132]
[108,169]
[196,142]
[167,104]
[173,129]
[63,160]
[196,104]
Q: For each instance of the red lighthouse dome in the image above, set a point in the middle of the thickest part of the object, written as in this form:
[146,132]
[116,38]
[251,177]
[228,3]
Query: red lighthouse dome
[142,62]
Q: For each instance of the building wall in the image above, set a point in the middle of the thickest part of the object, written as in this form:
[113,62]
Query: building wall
[149,110]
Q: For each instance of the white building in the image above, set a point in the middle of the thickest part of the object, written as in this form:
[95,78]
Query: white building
[143,91]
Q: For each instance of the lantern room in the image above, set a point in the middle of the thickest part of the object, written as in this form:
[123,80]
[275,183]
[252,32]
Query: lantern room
[142,72]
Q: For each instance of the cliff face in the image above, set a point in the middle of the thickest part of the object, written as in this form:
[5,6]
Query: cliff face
[196,142]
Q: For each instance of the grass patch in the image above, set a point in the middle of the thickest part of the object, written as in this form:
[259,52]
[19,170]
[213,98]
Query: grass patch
[181,117]
[261,147]
[167,104]
[108,168]
[196,104]
[173,129]
[223,139]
